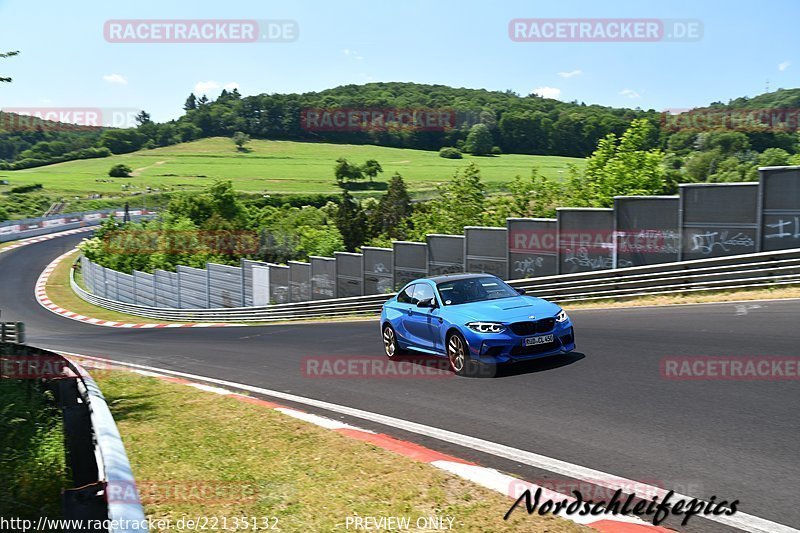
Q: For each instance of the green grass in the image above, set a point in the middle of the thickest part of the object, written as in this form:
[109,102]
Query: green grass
[33,468]
[178,438]
[269,167]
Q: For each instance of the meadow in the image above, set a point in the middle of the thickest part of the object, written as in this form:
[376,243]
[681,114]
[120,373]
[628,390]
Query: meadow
[268,167]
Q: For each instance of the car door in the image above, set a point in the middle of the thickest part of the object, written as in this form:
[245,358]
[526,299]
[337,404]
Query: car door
[424,321]
[402,311]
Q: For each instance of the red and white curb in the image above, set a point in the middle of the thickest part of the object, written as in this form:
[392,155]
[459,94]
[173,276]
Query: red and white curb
[481,475]
[44,300]
[34,240]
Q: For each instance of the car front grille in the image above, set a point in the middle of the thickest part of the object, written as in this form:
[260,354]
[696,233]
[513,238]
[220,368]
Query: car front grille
[533,327]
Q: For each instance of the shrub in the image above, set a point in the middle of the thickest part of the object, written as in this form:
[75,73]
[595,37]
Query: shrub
[448,152]
[496,150]
[120,171]
[21,189]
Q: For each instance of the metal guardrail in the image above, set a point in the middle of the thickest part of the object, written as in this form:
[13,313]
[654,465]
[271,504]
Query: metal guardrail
[95,452]
[13,332]
[13,230]
[721,273]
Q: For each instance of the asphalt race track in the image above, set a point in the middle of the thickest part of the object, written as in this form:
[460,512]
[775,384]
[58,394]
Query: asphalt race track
[607,407]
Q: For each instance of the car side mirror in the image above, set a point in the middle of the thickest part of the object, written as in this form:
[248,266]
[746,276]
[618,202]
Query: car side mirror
[521,290]
[427,302]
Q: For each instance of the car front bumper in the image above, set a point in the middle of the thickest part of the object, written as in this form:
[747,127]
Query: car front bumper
[507,347]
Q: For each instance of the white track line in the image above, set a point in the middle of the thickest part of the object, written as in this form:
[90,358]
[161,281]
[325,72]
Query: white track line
[743,521]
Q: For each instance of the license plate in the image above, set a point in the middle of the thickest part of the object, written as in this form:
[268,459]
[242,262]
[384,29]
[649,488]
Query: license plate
[542,339]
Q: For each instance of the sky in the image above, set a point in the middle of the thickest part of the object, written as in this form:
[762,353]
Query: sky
[66,61]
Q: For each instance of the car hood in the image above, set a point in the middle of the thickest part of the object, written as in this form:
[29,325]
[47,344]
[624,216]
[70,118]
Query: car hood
[504,310]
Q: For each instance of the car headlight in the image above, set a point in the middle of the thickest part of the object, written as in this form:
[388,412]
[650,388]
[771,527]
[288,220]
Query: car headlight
[562,316]
[486,327]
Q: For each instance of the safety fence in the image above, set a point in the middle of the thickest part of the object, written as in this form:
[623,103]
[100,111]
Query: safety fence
[95,454]
[703,221]
[759,270]
[11,230]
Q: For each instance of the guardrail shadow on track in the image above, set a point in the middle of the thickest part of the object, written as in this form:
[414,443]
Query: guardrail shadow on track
[95,454]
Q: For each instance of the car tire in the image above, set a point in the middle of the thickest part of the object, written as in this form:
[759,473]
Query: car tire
[458,355]
[391,348]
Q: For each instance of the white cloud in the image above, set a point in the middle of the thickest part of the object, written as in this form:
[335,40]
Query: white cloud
[116,78]
[629,93]
[547,92]
[783,66]
[353,54]
[202,87]
[570,73]
[205,87]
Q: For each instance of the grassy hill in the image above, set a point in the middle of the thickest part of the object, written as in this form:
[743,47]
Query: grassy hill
[269,167]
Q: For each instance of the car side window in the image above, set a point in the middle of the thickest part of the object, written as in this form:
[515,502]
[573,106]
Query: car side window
[422,291]
[406,296]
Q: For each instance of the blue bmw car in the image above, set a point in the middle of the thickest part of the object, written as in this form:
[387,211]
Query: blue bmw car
[473,319]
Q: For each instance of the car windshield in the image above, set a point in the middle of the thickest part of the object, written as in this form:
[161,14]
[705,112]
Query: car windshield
[462,291]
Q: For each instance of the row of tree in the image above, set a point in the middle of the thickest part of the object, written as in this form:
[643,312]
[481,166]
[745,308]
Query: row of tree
[511,122]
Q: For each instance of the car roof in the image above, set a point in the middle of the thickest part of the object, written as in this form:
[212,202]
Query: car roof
[455,277]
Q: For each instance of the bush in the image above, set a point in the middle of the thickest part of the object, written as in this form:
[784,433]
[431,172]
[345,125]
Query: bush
[240,139]
[21,189]
[84,153]
[120,171]
[496,150]
[448,152]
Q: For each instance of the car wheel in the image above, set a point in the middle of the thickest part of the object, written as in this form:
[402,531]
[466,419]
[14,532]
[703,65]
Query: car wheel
[390,346]
[460,361]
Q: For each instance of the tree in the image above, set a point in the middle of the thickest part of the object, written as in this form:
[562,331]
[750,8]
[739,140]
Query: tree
[350,221]
[4,56]
[346,171]
[240,139]
[371,168]
[535,196]
[700,165]
[191,103]
[122,141]
[217,207]
[460,202]
[773,157]
[479,141]
[120,171]
[624,166]
[143,117]
[393,210]
[727,142]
